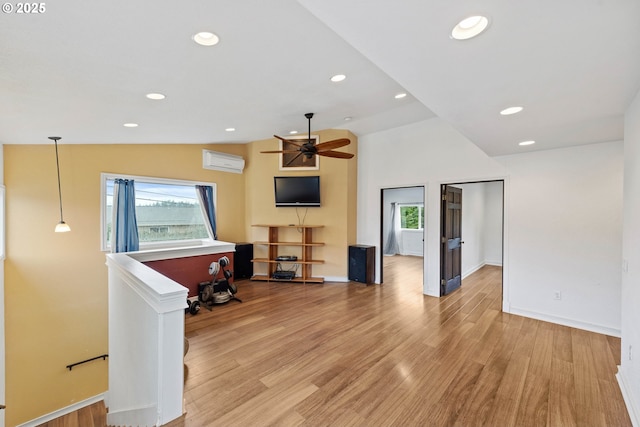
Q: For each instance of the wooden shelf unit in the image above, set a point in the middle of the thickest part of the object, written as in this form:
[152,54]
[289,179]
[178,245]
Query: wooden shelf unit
[306,260]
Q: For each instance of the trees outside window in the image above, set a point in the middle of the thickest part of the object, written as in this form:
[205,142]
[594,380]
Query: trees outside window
[412,217]
[167,211]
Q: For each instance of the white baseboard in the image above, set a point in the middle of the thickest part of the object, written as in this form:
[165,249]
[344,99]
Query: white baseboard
[628,401]
[493,263]
[409,253]
[479,266]
[340,279]
[506,307]
[472,270]
[145,416]
[63,411]
[599,329]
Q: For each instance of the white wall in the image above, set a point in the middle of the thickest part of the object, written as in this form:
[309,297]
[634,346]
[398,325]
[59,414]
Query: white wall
[493,222]
[481,225]
[562,216]
[565,210]
[2,345]
[629,372]
[426,153]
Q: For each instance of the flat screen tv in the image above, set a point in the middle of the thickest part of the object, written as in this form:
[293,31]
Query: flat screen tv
[297,191]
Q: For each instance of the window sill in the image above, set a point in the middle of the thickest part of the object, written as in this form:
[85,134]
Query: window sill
[205,248]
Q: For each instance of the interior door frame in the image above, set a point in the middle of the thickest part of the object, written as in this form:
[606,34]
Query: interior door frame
[380,257]
[505,222]
[431,278]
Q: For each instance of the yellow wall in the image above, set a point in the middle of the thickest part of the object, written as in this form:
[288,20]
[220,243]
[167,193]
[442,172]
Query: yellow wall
[338,181]
[56,284]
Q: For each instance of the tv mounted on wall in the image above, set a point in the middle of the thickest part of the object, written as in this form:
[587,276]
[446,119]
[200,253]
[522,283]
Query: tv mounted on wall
[297,191]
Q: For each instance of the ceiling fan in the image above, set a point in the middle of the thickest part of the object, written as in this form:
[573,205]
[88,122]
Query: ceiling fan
[309,149]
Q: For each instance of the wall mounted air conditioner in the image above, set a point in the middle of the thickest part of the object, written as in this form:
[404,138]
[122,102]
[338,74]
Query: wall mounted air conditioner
[222,161]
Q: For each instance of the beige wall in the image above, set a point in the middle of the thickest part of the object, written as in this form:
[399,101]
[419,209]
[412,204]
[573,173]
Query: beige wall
[338,182]
[56,284]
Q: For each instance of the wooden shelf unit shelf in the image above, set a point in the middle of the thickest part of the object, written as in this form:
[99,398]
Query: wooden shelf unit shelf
[305,261]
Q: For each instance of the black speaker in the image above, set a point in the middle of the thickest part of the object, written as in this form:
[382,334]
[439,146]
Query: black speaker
[362,263]
[242,265]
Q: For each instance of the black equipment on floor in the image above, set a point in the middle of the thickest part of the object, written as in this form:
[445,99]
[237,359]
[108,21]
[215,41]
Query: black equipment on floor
[242,265]
[283,275]
[218,291]
[362,263]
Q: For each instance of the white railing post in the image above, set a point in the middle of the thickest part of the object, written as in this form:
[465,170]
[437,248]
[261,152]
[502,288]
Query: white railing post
[146,339]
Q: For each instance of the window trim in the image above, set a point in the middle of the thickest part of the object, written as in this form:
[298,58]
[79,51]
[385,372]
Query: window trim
[104,176]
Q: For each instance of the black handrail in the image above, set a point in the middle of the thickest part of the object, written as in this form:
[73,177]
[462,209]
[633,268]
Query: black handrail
[103,357]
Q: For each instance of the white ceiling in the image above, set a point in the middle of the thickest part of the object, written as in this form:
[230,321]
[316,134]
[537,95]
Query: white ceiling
[81,69]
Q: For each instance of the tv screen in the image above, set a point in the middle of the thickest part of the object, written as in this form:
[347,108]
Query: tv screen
[301,191]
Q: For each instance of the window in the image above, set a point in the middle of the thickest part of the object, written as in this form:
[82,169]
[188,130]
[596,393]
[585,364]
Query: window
[412,216]
[168,212]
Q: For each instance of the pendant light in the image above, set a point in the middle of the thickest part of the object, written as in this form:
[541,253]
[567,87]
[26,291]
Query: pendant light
[61,227]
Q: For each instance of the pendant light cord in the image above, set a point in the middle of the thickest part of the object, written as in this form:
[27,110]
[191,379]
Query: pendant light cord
[55,139]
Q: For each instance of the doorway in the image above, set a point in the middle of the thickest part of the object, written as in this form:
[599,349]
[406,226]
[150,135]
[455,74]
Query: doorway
[402,233]
[481,229]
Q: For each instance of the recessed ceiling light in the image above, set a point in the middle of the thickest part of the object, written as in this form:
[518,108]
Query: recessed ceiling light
[526,143]
[230,129]
[400,95]
[206,38]
[293,132]
[470,27]
[130,125]
[338,78]
[346,119]
[155,96]
[511,110]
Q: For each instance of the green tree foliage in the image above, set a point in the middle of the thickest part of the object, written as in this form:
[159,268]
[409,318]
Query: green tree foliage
[412,217]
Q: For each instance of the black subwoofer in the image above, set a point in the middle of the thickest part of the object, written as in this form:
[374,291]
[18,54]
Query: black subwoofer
[362,263]
[242,265]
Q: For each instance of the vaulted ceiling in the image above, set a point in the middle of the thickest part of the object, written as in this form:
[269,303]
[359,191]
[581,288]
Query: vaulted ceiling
[81,70]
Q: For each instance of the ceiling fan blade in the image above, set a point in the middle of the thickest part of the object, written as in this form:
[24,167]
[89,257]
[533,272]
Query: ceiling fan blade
[290,141]
[281,151]
[292,160]
[336,154]
[330,145]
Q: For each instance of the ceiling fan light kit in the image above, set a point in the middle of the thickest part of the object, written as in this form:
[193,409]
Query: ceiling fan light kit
[309,149]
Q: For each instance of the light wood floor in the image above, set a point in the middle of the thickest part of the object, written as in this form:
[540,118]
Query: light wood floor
[385,355]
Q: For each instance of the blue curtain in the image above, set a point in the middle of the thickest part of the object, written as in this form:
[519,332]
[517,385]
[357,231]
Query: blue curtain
[124,229]
[205,194]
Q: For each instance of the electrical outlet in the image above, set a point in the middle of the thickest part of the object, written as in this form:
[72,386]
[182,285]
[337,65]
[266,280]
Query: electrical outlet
[557,295]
